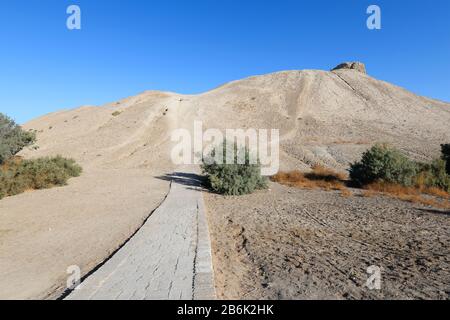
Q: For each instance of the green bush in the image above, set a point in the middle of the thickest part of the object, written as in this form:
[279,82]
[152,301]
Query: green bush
[12,138]
[235,178]
[446,156]
[433,175]
[19,176]
[383,163]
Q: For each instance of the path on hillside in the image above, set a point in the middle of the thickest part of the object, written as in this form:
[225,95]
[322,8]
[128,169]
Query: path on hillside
[168,258]
[296,103]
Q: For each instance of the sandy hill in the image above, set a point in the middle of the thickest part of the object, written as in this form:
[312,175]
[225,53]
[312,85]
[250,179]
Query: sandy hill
[324,118]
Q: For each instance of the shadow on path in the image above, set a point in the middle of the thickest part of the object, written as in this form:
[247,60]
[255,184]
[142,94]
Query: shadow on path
[186,179]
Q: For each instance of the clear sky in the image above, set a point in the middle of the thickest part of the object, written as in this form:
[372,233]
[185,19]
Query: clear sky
[191,46]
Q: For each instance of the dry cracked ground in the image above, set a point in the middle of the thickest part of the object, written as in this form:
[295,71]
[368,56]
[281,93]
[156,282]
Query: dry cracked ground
[289,243]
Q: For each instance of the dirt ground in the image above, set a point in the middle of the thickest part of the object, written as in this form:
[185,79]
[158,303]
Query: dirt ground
[289,243]
[79,224]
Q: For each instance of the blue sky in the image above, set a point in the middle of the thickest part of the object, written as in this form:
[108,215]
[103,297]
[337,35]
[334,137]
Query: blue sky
[128,46]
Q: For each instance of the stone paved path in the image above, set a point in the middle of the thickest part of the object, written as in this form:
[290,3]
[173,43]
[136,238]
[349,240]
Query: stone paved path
[168,258]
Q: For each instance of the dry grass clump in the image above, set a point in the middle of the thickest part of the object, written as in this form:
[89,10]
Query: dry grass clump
[409,194]
[422,185]
[321,173]
[319,178]
[434,191]
[392,189]
[327,179]
[368,193]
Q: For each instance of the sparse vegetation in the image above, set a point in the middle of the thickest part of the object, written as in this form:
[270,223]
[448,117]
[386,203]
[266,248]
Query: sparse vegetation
[386,170]
[116,113]
[18,175]
[233,179]
[382,170]
[410,194]
[12,138]
[319,178]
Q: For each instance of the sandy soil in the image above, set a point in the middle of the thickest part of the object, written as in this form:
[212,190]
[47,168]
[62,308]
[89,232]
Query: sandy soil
[289,243]
[44,232]
[81,224]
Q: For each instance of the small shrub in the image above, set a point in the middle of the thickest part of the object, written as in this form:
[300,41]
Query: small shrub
[433,175]
[116,113]
[18,176]
[12,138]
[235,178]
[383,163]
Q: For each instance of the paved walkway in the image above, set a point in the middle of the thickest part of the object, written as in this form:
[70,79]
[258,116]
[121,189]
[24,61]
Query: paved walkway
[168,258]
